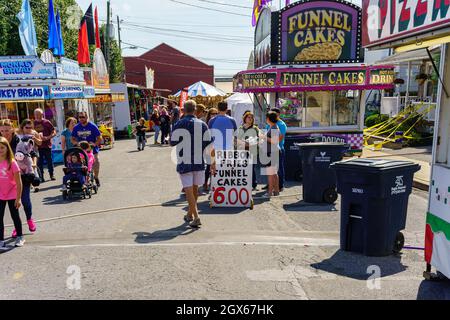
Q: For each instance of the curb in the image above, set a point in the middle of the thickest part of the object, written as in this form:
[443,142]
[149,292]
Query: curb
[421,185]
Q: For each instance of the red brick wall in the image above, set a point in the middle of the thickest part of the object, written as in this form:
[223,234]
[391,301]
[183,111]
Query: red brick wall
[174,70]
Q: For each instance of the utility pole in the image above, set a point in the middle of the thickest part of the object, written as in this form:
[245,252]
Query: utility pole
[108,28]
[118,31]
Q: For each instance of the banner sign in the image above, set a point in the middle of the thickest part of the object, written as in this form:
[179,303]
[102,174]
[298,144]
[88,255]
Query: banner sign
[69,70]
[232,183]
[89,92]
[66,92]
[24,93]
[390,21]
[25,68]
[317,32]
[184,95]
[100,71]
[313,79]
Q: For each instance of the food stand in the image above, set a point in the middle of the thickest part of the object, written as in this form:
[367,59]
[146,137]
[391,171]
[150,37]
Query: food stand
[28,83]
[429,27]
[309,64]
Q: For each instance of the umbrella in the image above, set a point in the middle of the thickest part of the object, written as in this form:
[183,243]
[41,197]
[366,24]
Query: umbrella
[203,89]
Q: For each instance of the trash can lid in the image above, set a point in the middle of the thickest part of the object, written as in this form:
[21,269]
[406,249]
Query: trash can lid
[322,144]
[375,164]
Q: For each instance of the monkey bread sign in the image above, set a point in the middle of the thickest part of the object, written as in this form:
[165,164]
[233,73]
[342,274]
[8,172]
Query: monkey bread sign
[388,23]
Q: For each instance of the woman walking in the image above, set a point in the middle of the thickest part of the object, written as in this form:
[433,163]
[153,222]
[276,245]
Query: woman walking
[66,134]
[164,119]
[7,131]
[156,124]
[10,192]
[248,139]
[271,150]
[27,132]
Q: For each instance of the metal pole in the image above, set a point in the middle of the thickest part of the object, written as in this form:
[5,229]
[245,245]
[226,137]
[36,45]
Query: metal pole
[108,21]
[118,30]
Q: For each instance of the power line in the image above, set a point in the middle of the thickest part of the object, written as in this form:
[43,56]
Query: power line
[226,4]
[210,9]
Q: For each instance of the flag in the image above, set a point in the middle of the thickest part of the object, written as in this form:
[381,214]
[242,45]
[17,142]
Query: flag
[89,19]
[97,33]
[83,44]
[257,8]
[60,50]
[27,31]
[53,38]
[184,96]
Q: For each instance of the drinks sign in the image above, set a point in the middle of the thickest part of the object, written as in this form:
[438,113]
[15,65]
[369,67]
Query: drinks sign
[25,68]
[255,80]
[392,21]
[320,32]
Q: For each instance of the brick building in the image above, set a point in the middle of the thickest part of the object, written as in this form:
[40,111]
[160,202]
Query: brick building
[173,69]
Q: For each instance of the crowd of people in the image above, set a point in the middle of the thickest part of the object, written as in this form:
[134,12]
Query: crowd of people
[25,151]
[215,130]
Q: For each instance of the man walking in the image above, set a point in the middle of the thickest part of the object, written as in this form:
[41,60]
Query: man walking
[191,137]
[46,129]
[88,131]
[223,129]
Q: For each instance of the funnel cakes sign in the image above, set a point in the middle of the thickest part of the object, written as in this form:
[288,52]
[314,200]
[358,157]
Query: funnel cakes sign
[320,32]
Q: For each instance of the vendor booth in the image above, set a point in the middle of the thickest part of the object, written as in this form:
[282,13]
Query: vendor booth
[309,64]
[28,83]
[203,93]
[429,28]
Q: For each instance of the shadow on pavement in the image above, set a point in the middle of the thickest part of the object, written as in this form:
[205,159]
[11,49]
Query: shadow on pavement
[163,235]
[57,187]
[205,209]
[51,201]
[434,290]
[308,207]
[356,266]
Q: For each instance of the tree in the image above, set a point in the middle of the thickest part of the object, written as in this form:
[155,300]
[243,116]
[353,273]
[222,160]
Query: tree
[9,25]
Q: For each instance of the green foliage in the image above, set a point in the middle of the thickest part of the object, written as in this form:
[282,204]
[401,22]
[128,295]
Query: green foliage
[117,66]
[9,26]
[376,119]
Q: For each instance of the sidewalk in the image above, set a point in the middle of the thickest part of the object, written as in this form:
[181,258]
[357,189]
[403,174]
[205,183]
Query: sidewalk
[421,178]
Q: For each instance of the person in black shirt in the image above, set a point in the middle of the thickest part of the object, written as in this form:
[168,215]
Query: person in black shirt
[164,119]
[139,131]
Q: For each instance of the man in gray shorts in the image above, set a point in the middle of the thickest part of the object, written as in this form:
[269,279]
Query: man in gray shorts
[191,136]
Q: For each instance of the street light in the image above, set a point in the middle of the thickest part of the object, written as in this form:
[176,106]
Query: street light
[131,48]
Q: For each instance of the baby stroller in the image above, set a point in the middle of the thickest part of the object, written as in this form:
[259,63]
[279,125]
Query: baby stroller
[78,181]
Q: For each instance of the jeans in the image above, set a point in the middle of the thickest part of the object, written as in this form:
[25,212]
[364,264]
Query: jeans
[79,177]
[157,130]
[45,153]
[26,199]
[254,178]
[281,170]
[140,140]
[14,216]
[207,174]
[165,133]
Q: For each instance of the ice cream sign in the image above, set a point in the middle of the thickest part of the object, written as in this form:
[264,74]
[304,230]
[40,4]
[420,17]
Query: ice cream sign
[392,21]
[25,68]
[320,32]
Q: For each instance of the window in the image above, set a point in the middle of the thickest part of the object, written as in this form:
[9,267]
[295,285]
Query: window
[346,108]
[318,107]
[291,106]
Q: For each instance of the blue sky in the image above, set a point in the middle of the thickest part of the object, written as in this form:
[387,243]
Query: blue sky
[140,15]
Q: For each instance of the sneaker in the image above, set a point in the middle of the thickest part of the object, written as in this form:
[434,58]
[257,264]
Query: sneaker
[20,241]
[188,218]
[31,225]
[3,246]
[195,223]
[139,149]
[14,234]
[266,195]
[97,182]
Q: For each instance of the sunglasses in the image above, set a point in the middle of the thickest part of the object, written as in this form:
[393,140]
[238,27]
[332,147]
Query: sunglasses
[28,128]
[82,117]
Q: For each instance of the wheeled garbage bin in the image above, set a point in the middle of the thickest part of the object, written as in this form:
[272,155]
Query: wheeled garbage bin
[319,180]
[374,204]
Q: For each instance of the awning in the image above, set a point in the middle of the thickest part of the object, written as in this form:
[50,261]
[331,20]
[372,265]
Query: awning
[404,57]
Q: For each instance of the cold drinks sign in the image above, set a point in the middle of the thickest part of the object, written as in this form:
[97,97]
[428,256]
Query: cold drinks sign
[392,21]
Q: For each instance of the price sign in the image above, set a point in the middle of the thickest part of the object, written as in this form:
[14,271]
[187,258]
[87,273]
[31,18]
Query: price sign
[232,183]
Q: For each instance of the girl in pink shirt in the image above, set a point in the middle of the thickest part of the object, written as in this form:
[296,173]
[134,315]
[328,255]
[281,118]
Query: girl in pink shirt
[10,192]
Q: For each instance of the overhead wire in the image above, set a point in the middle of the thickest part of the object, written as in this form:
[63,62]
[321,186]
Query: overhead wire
[210,9]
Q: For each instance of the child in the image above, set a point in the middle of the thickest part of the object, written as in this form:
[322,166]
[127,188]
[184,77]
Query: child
[139,131]
[10,192]
[90,153]
[75,171]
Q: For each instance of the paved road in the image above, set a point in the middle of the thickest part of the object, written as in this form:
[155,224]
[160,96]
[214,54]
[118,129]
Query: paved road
[137,246]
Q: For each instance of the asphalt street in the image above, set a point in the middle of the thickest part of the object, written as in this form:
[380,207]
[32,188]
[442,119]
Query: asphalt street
[130,242]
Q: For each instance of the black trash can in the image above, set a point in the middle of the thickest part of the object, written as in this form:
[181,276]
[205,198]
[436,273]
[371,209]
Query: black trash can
[293,162]
[319,180]
[374,204]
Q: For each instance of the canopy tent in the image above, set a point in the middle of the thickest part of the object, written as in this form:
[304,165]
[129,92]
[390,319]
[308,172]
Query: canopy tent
[202,89]
[239,103]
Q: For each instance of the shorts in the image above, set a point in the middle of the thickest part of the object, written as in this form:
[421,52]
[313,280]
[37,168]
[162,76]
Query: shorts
[269,171]
[195,178]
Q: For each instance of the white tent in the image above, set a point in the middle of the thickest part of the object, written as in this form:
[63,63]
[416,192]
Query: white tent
[239,103]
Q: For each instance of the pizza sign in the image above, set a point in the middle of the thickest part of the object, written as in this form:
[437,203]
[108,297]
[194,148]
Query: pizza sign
[320,32]
[388,21]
